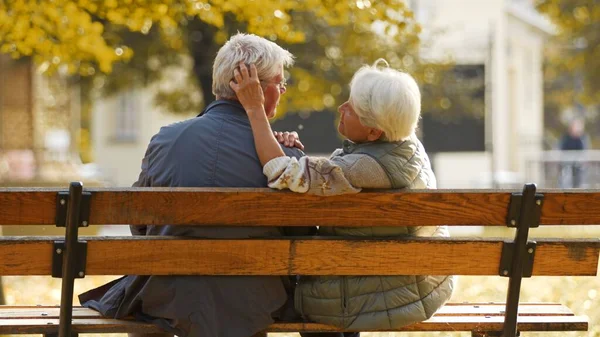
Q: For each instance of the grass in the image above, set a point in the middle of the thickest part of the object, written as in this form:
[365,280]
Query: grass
[581,294]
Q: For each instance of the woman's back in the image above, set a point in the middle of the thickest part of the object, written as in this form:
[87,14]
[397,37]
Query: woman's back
[377,302]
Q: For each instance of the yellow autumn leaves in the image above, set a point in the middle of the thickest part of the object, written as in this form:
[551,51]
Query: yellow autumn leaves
[58,33]
[71,35]
[574,54]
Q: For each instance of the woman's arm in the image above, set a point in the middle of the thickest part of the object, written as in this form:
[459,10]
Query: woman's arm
[249,93]
[326,176]
[314,175]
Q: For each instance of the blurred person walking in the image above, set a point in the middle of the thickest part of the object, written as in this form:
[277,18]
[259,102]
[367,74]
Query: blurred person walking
[574,139]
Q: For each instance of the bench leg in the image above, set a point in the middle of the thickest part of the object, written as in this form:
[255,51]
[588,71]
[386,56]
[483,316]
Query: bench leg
[528,217]
[69,259]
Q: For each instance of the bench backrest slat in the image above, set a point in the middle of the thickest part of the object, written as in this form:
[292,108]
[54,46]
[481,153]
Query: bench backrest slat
[28,206]
[571,208]
[171,256]
[264,207]
[268,208]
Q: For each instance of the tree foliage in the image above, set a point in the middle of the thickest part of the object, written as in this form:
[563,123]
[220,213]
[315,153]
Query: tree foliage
[118,44]
[572,71]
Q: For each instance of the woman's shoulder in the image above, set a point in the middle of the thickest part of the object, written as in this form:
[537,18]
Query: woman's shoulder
[362,170]
[351,159]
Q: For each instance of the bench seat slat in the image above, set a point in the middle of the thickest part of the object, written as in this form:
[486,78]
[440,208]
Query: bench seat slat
[441,323]
[463,323]
[451,309]
[454,256]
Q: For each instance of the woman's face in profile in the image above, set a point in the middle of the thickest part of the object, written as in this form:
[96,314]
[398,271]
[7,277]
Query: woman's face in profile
[350,126]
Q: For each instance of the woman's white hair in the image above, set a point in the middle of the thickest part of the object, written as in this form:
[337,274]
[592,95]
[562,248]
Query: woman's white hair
[267,56]
[386,99]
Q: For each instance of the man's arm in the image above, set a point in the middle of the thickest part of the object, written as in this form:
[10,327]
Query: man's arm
[143,181]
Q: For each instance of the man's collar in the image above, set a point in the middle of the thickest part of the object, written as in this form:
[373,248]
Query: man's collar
[233,107]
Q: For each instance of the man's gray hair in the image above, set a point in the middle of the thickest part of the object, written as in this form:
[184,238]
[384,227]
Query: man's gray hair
[267,56]
[386,99]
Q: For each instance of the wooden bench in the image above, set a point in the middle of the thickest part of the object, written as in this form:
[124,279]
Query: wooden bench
[73,257]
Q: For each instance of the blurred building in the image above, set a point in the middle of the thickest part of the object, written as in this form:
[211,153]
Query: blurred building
[497,50]
[122,127]
[505,39]
[39,127]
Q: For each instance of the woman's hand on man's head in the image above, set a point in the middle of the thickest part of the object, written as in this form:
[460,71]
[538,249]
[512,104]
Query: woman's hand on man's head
[246,86]
[288,139]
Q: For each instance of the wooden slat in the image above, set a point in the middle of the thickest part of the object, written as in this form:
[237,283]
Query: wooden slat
[43,312]
[264,207]
[258,207]
[173,256]
[86,325]
[443,323]
[571,208]
[462,323]
[451,309]
[26,206]
[525,309]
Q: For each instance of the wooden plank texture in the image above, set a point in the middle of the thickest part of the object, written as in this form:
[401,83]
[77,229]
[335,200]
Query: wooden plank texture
[265,207]
[26,206]
[450,309]
[571,208]
[442,323]
[261,207]
[177,256]
[462,323]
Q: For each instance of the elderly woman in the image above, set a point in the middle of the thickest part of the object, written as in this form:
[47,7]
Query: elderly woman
[381,151]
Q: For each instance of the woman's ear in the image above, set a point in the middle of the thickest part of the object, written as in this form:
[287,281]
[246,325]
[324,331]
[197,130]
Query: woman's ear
[374,134]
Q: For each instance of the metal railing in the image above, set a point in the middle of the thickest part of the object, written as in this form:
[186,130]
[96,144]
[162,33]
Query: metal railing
[565,169]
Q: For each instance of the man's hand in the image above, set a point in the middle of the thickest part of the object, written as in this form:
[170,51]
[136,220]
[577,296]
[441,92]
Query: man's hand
[288,139]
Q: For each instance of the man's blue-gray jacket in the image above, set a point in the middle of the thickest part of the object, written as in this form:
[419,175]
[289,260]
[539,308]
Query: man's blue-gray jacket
[213,150]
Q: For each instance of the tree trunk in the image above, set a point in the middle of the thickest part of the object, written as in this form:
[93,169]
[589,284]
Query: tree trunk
[203,50]
[206,85]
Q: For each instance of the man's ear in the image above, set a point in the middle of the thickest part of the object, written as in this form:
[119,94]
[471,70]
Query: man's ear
[374,134]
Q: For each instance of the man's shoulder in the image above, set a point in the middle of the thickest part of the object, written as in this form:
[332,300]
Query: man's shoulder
[177,125]
[196,123]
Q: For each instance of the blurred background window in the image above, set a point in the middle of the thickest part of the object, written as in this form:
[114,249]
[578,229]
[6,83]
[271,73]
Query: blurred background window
[126,118]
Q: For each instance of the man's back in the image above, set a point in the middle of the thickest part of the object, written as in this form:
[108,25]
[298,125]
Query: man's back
[215,150]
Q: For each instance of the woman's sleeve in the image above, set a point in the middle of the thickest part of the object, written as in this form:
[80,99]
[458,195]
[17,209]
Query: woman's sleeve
[313,175]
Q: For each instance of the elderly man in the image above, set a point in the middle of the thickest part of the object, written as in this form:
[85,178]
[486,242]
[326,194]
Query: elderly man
[215,149]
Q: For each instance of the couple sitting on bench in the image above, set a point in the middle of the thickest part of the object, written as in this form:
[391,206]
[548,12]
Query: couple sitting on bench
[231,145]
